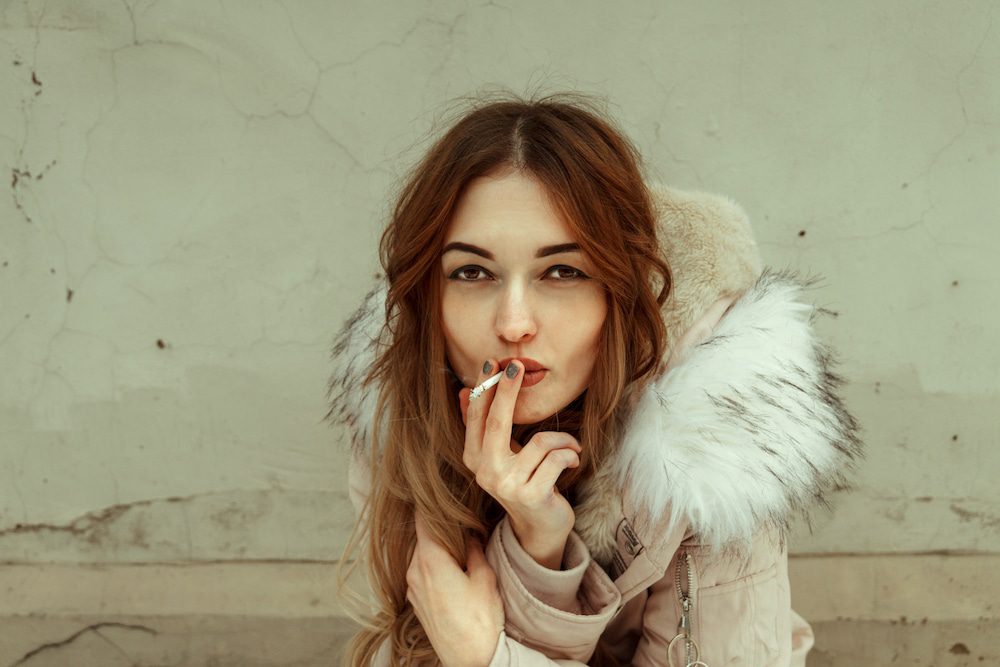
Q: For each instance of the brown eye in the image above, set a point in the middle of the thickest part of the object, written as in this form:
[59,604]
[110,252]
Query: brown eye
[467,274]
[463,274]
[575,275]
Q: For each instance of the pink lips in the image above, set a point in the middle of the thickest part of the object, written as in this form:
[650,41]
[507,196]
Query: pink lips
[534,372]
[529,364]
[533,377]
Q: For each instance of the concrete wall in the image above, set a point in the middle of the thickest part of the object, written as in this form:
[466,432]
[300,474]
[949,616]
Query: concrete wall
[192,200]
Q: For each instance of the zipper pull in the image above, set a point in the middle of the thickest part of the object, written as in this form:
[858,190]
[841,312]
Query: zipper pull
[685,624]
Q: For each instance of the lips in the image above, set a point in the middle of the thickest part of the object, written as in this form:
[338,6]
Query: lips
[529,364]
[531,378]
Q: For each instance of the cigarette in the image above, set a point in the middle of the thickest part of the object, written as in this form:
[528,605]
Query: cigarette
[480,389]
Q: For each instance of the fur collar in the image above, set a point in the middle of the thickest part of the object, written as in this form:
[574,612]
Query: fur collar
[747,428]
[744,431]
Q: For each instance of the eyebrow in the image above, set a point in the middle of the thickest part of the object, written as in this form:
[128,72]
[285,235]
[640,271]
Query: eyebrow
[544,251]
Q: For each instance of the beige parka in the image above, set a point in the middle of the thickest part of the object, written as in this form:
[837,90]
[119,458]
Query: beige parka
[678,553]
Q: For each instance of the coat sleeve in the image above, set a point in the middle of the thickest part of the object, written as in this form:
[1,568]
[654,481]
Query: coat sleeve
[560,614]
[553,597]
[510,653]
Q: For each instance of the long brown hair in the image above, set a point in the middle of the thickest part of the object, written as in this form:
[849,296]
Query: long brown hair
[594,176]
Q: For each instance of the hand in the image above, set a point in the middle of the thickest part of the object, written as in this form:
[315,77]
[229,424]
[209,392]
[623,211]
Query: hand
[461,611]
[522,479]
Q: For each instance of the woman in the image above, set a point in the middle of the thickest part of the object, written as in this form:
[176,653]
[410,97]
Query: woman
[613,508]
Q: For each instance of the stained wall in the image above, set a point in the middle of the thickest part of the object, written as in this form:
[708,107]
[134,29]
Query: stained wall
[191,206]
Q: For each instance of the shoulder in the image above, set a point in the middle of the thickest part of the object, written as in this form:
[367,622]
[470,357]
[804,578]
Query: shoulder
[719,564]
[700,329]
[747,426]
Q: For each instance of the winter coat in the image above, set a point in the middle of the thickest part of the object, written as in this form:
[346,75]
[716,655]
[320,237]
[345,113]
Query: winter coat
[742,428]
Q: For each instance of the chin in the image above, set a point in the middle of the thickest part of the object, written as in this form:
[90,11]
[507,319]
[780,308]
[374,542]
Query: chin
[522,417]
[530,414]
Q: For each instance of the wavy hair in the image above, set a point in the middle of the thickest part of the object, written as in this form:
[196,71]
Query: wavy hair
[593,174]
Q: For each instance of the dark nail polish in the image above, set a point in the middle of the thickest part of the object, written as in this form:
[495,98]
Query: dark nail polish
[511,371]
[487,367]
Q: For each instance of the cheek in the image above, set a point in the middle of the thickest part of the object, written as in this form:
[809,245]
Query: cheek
[453,313]
[459,339]
[449,329]
[595,328]
[592,316]
[580,337]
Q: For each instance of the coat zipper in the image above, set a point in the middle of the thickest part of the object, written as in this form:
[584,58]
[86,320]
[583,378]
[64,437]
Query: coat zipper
[687,603]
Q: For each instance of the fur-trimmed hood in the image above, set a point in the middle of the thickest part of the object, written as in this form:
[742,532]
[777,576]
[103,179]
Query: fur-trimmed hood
[739,434]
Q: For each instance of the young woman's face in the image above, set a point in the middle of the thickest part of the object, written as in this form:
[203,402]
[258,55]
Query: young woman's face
[501,300]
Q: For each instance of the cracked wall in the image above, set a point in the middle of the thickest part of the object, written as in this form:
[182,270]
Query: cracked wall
[195,192]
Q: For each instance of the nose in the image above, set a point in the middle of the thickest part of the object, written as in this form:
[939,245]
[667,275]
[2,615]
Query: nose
[515,318]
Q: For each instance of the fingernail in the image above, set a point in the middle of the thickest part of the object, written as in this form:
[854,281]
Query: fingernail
[487,367]
[511,370]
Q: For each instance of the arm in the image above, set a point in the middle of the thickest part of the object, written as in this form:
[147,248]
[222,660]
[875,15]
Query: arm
[736,617]
[556,613]
[560,589]
[510,653]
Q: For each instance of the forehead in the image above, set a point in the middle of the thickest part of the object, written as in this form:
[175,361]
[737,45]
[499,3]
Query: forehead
[512,205]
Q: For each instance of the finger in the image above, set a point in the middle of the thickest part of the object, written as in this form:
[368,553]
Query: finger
[498,422]
[489,368]
[431,551]
[475,549]
[413,568]
[543,442]
[463,403]
[411,597]
[554,463]
[418,523]
[475,558]
[475,415]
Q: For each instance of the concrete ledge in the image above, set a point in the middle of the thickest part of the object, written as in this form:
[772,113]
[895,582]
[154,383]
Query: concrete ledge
[906,644]
[228,641]
[221,614]
[824,588]
[891,587]
[189,641]
[901,609]
[272,589]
